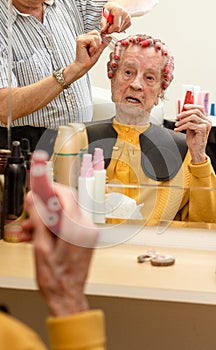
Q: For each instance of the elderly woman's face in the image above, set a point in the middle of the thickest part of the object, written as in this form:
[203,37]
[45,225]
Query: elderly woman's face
[137,81]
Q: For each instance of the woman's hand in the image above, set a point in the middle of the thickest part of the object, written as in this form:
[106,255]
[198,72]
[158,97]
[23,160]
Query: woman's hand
[62,261]
[197,126]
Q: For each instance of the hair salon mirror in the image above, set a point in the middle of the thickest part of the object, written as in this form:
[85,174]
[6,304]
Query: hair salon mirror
[183,27]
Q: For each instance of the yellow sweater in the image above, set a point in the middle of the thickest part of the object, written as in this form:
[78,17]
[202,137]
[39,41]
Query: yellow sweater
[80,331]
[187,197]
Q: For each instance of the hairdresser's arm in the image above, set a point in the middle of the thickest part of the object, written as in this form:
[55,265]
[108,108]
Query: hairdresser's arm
[89,48]
[197,127]
[61,272]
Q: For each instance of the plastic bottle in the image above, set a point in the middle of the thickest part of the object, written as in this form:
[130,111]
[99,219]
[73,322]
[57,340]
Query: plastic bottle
[203,100]
[66,158]
[14,191]
[99,186]
[86,186]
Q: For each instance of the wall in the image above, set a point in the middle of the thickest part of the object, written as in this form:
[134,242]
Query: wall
[187,27]
[130,323]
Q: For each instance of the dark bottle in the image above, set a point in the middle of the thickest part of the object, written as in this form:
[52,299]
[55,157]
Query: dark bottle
[14,185]
[26,152]
[4,153]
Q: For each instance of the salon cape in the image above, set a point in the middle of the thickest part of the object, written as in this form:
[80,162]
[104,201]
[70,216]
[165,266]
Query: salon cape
[168,184]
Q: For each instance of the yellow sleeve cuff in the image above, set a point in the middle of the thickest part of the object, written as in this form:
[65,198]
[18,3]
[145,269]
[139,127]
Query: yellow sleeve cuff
[84,330]
[203,169]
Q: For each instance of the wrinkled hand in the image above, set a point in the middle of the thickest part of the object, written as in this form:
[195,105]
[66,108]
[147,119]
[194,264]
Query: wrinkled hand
[61,265]
[121,19]
[197,126]
[89,47]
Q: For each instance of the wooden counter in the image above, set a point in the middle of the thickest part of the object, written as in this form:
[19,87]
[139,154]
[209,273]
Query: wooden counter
[115,271]
[125,289]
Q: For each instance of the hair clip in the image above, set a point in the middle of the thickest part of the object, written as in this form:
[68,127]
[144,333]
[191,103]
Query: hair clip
[163,260]
[150,254]
[143,258]
[156,259]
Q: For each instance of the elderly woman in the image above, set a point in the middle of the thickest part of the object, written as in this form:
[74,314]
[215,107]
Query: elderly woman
[170,171]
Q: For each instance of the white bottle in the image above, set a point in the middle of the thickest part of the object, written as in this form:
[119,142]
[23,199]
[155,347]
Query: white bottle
[99,186]
[86,186]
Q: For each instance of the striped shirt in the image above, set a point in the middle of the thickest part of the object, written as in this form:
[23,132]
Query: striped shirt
[40,48]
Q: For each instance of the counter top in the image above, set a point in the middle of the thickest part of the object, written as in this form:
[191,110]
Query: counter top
[115,271]
[17,266]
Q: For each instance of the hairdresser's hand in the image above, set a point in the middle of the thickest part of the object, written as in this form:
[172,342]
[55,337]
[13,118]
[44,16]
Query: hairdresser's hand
[120,17]
[197,127]
[61,266]
[89,47]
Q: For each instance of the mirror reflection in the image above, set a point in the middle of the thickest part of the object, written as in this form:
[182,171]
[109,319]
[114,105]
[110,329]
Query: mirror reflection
[165,172]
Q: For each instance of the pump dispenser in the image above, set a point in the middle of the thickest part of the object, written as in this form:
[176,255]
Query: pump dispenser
[14,188]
